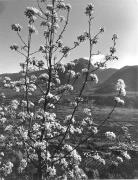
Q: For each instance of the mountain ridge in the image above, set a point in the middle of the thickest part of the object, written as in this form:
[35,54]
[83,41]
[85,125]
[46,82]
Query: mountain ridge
[107,78]
[130,76]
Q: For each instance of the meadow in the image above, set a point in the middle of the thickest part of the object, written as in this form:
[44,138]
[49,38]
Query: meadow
[120,117]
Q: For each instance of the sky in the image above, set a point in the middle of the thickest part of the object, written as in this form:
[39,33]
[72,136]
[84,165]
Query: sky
[116,16]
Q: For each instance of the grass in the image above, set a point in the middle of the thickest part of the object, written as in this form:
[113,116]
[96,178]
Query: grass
[120,117]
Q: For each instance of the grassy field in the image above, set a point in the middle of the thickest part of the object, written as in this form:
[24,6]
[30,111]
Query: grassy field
[120,117]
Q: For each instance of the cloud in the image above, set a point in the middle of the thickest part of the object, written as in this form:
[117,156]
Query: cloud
[96,58]
[87,58]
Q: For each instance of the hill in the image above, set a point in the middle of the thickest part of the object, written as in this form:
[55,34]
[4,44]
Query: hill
[128,73]
[103,93]
[103,74]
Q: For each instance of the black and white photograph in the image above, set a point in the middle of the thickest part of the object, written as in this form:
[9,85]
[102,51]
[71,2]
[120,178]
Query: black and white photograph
[68,89]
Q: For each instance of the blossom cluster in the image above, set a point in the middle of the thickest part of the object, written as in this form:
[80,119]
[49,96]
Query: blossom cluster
[32,11]
[89,9]
[120,87]
[110,135]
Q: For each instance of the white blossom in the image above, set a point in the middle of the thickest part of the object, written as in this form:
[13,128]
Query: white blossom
[32,11]
[2,138]
[68,147]
[64,162]
[87,111]
[41,145]
[14,104]
[120,159]
[2,153]
[75,156]
[118,100]
[94,130]
[9,128]
[7,168]
[68,118]
[16,27]
[23,165]
[94,78]
[126,155]
[85,70]
[32,28]
[36,127]
[120,86]
[3,120]
[110,135]
[98,158]
[52,171]
[71,73]
[44,76]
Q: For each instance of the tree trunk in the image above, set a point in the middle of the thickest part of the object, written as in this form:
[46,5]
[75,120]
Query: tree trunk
[39,169]
[39,174]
